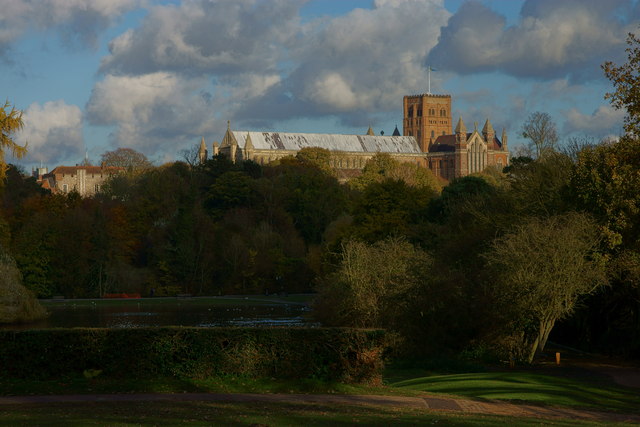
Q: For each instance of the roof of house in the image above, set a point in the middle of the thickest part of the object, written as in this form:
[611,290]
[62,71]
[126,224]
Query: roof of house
[95,170]
[332,142]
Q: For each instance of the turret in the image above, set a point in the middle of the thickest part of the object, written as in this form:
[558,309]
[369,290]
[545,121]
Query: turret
[461,162]
[370,131]
[488,133]
[396,132]
[248,148]
[504,140]
[202,152]
[461,134]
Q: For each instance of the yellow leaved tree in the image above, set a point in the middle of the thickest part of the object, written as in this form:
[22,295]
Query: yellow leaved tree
[10,122]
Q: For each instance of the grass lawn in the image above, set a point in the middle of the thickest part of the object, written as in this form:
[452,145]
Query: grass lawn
[245,414]
[527,386]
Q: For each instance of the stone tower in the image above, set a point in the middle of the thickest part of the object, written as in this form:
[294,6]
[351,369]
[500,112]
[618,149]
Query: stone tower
[426,117]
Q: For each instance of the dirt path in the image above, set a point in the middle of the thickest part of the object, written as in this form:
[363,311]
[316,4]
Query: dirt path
[423,402]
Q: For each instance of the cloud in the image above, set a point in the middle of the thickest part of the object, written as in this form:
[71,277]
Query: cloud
[355,65]
[605,120]
[77,21]
[189,67]
[53,132]
[207,37]
[552,39]
[152,112]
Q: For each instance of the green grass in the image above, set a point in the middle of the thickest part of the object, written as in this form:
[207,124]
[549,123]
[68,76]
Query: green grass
[528,387]
[245,414]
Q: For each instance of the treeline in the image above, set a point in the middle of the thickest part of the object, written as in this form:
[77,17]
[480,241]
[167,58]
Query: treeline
[487,265]
[215,228]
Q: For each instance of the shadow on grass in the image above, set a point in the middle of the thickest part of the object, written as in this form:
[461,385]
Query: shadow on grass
[244,414]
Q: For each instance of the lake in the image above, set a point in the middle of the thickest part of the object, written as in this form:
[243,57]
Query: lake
[193,311]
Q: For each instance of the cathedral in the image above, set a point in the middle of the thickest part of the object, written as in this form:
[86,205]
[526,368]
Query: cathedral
[427,140]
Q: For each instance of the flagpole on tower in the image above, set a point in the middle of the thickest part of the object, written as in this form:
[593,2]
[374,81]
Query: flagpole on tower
[429,89]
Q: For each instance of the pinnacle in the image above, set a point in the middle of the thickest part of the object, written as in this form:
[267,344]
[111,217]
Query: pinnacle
[460,127]
[488,128]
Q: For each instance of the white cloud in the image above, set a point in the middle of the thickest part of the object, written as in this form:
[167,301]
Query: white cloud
[190,67]
[605,120]
[357,64]
[195,37]
[153,112]
[53,132]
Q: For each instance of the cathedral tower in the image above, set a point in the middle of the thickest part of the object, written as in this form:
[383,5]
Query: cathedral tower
[426,117]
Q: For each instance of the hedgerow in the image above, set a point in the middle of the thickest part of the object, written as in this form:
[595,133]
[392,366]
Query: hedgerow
[330,354]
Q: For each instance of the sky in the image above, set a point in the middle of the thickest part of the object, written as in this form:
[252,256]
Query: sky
[157,76]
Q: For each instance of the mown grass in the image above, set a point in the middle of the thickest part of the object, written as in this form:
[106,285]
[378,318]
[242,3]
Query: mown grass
[246,414]
[530,387]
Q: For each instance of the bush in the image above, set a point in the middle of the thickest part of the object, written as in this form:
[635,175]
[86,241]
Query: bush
[17,303]
[329,354]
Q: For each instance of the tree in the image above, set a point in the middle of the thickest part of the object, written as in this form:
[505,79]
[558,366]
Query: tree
[540,270]
[382,166]
[316,156]
[626,80]
[541,130]
[373,285]
[10,122]
[129,159]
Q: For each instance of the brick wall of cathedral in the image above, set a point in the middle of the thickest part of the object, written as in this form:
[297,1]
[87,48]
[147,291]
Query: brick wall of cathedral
[426,117]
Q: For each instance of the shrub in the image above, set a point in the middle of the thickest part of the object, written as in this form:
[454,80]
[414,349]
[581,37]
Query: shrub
[330,354]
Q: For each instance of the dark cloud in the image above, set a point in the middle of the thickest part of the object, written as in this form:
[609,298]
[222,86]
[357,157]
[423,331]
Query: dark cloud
[78,22]
[552,39]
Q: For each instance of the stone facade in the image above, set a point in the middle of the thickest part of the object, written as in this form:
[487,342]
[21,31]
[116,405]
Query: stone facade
[427,141]
[451,154]
[86,180]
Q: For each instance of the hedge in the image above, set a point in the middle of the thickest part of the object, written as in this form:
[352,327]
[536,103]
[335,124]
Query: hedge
[331,354]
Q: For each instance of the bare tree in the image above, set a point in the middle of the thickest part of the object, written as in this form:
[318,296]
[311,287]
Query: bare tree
[540,129]
[129,159]
[191,155]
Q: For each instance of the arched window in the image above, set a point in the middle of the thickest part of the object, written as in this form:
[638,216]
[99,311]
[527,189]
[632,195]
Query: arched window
[410,111]
[443,113]
[477,157]
[433,133]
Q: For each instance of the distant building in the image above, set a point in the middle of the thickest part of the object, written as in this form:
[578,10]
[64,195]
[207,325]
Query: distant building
[427,141]
[86,180]
[451,154]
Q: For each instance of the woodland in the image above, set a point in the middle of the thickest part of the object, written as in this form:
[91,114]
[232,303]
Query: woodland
[491,265]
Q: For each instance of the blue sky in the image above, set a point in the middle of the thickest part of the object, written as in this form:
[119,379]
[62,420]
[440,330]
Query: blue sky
[157,76]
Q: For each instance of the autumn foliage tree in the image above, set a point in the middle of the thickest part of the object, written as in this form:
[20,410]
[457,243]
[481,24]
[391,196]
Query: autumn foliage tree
[626,80]
[10,122]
